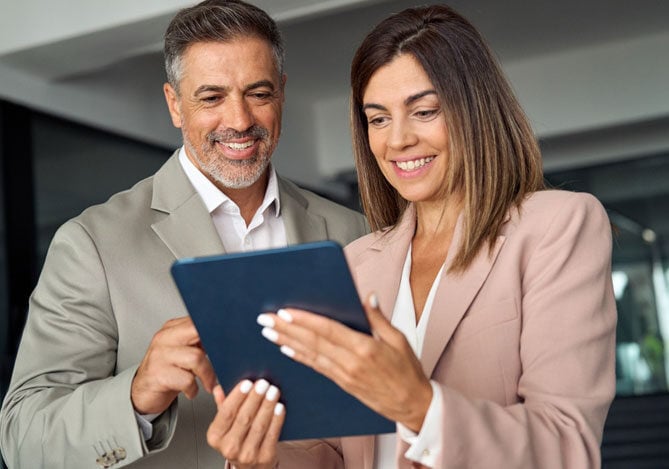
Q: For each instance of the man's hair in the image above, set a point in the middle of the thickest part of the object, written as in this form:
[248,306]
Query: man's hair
[218,21]
[494,159]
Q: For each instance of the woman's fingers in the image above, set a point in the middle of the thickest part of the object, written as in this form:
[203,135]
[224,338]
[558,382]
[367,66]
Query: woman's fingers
[326,351]
[248,423]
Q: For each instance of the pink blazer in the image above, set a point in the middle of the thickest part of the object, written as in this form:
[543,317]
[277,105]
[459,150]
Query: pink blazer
[522,343]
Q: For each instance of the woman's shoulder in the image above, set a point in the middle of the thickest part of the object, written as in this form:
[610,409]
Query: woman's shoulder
[552,202]
[554,209]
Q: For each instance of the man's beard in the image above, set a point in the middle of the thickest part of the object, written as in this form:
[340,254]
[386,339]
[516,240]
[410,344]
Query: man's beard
[227,173]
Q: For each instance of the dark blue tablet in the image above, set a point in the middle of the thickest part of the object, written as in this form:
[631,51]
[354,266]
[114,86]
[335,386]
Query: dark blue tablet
[224,295]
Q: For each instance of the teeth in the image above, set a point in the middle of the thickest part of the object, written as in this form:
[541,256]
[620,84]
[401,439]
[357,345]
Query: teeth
[238,146]
[413,164]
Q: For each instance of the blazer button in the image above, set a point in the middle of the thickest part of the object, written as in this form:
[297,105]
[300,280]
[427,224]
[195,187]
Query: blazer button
[120,454]
[106,460]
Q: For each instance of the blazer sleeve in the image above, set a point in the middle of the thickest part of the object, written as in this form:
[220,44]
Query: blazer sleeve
[65,406]
[567,353]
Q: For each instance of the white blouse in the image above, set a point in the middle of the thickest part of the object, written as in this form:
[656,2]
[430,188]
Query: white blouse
[424,445]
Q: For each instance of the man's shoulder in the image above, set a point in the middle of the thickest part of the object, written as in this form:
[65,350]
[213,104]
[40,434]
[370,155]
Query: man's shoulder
[341,224]
[322,205]
[126,208]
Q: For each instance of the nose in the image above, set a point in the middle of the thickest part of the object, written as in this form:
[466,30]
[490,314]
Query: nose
[401,135]
[238,115]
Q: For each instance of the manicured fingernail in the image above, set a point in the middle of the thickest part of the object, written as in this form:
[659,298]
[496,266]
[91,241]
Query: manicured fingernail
[287,351]
[272,392]
[374,301]
[278,408]
[265,320]
[285,315]
[270,334]
[261,387]
[246,386]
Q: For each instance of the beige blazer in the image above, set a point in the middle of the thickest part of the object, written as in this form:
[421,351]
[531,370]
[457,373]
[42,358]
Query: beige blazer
[105,289]
[522,343]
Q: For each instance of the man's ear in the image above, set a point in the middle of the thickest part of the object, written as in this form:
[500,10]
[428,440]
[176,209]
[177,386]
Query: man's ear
[172,99]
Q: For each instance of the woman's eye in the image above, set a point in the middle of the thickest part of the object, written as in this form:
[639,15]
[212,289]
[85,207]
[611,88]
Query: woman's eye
[377,121]
[426,113]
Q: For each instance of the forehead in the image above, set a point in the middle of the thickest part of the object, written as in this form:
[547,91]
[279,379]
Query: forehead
[236,62]
[403,76]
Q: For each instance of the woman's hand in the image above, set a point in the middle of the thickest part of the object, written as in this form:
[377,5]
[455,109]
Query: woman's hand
[247,425]
[381,371]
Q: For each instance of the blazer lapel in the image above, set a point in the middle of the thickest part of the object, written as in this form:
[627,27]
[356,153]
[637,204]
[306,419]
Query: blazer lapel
[356,449]
[302,226]
[381,271]
[186,229]
[452,299]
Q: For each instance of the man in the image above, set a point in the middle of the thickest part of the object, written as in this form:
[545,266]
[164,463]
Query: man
[107,373]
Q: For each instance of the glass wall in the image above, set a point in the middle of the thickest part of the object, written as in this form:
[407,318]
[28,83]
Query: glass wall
[636,196]
[76,167]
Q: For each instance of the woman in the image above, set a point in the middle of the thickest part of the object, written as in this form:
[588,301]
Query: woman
[489,297]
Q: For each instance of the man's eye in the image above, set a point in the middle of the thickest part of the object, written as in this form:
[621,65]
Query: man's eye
[262,95]
[210,99]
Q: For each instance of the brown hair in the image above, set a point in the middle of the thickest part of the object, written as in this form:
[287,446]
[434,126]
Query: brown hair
[495,159]
[217,21]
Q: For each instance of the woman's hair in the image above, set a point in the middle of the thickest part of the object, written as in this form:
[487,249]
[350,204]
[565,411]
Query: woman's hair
[217,21]
[494,159]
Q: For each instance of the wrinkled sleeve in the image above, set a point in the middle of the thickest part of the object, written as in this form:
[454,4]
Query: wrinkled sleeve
[65,406]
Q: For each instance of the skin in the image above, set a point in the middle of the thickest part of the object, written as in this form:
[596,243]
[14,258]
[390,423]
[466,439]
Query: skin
[229,110]
[409,138]
[406,123]
[247,425]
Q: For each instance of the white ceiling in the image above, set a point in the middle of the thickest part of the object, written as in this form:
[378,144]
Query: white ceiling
[57,40]
[100,62]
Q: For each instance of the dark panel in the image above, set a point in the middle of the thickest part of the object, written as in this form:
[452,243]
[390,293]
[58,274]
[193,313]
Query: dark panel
[17,183]
[636,434]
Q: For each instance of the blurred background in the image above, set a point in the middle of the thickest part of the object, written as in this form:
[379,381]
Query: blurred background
[82,116]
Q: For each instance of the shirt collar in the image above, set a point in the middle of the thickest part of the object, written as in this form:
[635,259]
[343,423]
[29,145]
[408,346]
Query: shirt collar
[212,195]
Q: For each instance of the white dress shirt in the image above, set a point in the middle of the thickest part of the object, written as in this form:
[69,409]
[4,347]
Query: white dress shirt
[265,231]
[424,445]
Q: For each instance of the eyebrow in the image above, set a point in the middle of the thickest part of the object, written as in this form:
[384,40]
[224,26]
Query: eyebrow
[224,89]
[409,100]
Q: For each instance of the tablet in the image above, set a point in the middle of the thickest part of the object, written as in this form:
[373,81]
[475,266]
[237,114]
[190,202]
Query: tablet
[224,295]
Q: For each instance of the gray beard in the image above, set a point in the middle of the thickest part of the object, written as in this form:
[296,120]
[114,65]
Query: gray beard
[248,171]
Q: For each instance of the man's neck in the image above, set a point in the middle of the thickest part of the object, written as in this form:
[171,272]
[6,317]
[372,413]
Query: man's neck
[249,198]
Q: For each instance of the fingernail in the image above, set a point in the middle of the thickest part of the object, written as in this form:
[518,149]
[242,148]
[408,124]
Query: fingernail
[246,386]
[374,301]
[270,334]
[278,408]
[261,387]
[272,392]
[287,351]
[285,315]
[265,320]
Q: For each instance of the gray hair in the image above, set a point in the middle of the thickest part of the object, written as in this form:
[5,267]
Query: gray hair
[217,21]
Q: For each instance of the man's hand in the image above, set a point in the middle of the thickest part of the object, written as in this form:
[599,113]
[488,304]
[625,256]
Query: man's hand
[247,425]
[171,365]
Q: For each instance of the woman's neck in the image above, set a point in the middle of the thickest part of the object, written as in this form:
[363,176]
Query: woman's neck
[436,220]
